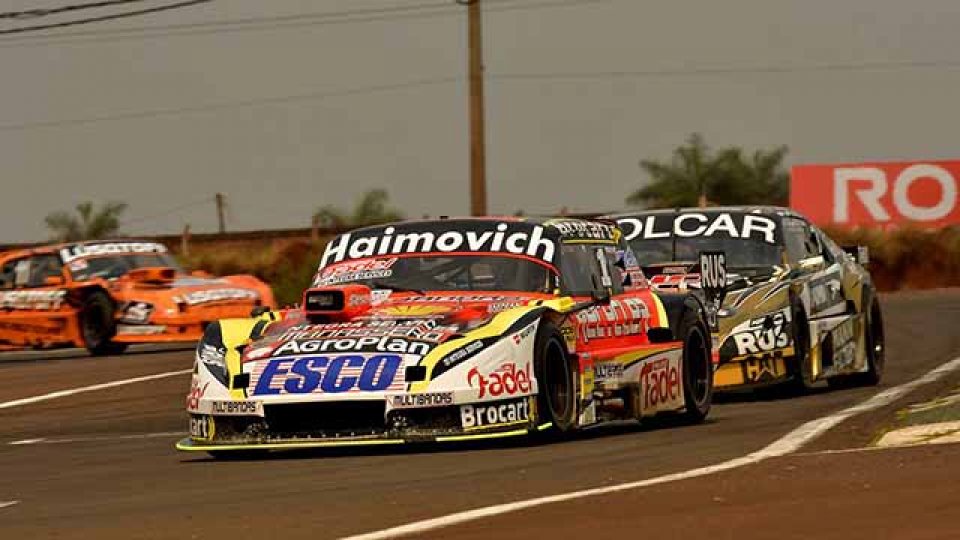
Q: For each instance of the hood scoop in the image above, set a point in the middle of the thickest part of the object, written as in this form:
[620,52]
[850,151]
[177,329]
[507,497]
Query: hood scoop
[154,275]
[336,304]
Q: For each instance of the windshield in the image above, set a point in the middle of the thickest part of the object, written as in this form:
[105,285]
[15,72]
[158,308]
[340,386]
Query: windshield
[740,253]
[116,266]
[442,273]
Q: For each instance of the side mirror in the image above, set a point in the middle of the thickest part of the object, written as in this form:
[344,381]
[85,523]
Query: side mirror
[861,254]
[258,311]
[599,295]
[812,263]
[660,335]
[53,281]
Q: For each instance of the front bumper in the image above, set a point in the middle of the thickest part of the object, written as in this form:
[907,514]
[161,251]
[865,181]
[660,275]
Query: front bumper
[754,371]
[357,423]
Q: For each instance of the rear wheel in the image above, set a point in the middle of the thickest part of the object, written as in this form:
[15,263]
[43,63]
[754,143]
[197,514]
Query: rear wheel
[697,366]
[556,392]
[97,325]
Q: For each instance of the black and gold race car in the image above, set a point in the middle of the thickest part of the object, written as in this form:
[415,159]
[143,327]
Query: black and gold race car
[798,307]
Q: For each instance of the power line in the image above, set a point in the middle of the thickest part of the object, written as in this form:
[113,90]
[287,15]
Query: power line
[254,24]
[114,16]
[436,81]
[197,109]
[167,212]
[243,24]
[43,12]
[709,71]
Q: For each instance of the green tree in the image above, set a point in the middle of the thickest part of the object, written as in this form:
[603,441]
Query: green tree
[697,176]
[372,208]
[88,223]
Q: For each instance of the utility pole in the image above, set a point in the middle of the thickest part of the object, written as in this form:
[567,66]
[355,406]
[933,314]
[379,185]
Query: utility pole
[478,152]
[220,204]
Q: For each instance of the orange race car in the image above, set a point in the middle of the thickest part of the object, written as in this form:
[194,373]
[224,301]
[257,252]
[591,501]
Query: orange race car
[104,295]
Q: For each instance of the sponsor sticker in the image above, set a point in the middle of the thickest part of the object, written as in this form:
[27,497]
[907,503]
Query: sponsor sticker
[195,394]
[380,344]
[516,238]
[416,401]
[140,329]
[621,317]
[136,312]
[328,374]
[697,225]
[236,408]
[215,295]
[495,414]
[608,371]
[660,384]
[506,380]
[81,251]
[32,300]
[202,427]
[427,330]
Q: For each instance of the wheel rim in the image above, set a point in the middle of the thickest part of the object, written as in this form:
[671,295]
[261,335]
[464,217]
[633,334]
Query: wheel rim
[697,364]
[557,377]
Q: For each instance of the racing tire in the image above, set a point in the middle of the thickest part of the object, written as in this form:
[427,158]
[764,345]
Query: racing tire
[554,371]
[802,380]
[697,366]
[875,347]
[97,325]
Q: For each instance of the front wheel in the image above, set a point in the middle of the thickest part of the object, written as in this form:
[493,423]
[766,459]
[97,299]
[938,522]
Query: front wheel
[802,381]
[556,392]
[697,366]
[97,325]
[874,345]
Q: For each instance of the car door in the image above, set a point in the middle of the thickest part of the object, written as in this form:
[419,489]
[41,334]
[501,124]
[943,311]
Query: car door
[33,307]
[817,273]
[826,292]
[611,327]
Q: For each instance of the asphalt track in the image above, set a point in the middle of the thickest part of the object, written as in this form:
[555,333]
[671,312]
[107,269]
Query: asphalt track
[101,464]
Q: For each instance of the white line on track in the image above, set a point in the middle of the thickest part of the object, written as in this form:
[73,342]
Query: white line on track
[131,436]
[790,442]
[4,504]
[91,388]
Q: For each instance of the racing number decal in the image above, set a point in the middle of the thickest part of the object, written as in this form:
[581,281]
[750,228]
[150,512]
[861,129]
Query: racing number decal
[605,278]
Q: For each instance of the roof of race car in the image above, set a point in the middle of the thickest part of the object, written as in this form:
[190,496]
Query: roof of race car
[72,246]
[766,210]
[544,221]
[533,237]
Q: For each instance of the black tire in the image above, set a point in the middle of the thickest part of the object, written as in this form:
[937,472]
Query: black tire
[556,391]
[802,379]
[97,325]
[697,366]
[875,346]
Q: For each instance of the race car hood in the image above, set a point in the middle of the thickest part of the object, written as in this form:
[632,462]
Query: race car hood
[187,290]
[680,275]
[405,342]
[396,322]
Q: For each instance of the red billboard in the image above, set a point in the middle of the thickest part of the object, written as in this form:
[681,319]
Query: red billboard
[877,194]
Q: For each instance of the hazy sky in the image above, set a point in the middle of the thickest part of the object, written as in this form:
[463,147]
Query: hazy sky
[285,118]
